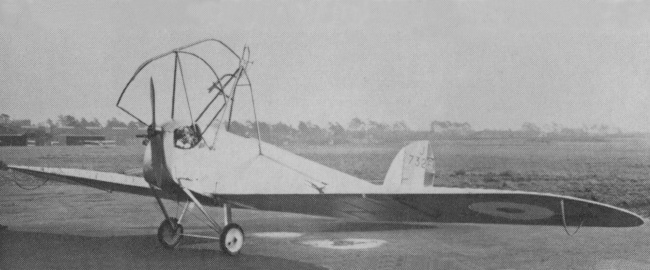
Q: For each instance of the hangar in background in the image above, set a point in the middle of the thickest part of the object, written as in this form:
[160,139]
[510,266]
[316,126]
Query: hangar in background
[67,135]
[124,135]
[12,137]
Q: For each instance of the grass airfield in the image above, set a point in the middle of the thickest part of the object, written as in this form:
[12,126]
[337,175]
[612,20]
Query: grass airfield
[61,226]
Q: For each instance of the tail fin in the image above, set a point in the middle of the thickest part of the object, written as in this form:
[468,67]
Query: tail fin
[413,166]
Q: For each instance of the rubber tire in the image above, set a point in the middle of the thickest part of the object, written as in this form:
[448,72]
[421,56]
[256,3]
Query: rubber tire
[166,227]
[224,237]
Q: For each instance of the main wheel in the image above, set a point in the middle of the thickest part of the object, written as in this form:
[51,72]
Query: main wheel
[170,233]
[231,239]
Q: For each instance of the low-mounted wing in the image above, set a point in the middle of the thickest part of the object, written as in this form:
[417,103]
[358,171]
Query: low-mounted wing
[101,180]
[451,205]
[279,180]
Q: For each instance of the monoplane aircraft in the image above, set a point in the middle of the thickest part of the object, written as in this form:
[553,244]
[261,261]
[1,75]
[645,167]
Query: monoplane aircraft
[103,143]
[194,159]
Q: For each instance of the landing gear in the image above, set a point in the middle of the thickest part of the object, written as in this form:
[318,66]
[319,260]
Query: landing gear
[170,233]
[232,239]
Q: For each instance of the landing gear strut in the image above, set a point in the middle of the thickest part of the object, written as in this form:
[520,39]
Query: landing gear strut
[170,232]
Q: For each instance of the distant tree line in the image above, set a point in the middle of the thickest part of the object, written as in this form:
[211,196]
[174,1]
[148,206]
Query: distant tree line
[71,121]
[358,131]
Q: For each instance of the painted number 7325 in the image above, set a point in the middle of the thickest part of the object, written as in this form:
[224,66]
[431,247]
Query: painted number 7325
[425,163]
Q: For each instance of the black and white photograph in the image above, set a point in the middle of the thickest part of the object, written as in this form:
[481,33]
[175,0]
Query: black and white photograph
[403,134]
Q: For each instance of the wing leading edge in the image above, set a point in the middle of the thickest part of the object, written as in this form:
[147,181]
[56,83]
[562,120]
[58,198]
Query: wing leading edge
[446,205]
[102,180]
[450,205]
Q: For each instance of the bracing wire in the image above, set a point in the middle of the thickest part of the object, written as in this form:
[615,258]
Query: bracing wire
[564,221]
[26,187]
[160,56]
[174,85]
[187,98]
[232,91]
[204,221]
[214,140]
[308,182]
[257,123]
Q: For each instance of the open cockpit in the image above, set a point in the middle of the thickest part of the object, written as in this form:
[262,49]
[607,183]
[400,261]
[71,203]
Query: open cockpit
[187,137]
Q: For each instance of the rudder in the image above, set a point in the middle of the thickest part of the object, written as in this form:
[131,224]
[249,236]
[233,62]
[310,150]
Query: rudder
[414,166]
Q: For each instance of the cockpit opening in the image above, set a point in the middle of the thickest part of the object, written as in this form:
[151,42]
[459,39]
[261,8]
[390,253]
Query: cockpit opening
[187,137]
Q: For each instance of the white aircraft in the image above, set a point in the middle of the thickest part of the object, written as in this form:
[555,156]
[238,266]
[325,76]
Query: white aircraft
[102,143]
[201,164]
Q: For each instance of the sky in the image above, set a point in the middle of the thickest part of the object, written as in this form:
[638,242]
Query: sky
[494,64]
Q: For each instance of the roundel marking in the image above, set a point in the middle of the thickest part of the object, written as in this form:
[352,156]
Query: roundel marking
[509,210]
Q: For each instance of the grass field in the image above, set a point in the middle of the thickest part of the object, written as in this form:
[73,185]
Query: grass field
[614,172]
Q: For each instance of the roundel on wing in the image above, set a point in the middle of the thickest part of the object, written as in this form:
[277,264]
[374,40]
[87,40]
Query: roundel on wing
[509,210]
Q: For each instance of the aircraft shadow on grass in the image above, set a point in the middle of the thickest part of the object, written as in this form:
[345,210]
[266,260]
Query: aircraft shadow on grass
[30,250]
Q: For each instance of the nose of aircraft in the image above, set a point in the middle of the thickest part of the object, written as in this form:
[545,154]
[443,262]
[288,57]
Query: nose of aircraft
[153,162]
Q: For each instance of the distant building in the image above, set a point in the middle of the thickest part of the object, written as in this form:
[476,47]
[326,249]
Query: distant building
[27,135]
[35,135]
[12,137]
[67,135]
[124,135]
